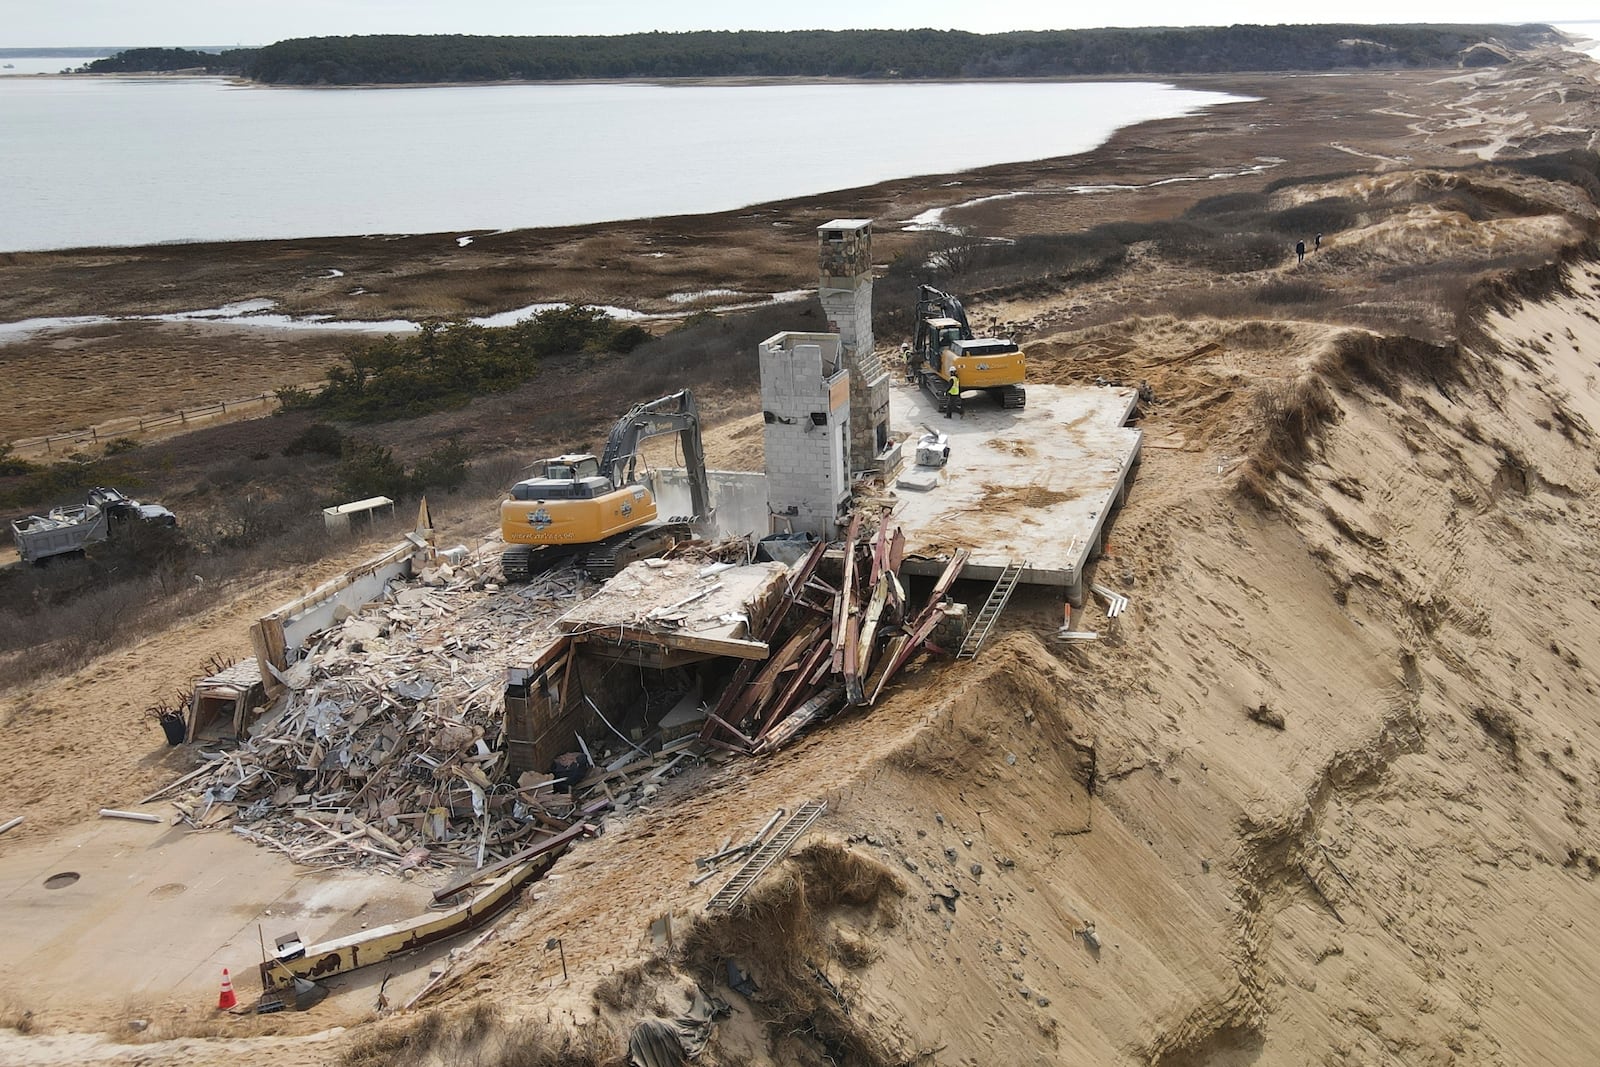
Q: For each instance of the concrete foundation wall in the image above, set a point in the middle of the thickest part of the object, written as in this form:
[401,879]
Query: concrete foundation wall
[740,499]
[315,618]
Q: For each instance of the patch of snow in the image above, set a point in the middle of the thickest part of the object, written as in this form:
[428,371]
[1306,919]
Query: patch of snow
[226,311]
[516,315]
[27,327]
[689,298]
[462,242]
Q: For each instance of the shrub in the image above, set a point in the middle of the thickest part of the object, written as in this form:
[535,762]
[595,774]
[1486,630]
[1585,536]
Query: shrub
[119,445]
[443,468]
[294,398]
[367,469]
[1292,292]
[1230,204]
[1327,215]
[445,364]
[319,438]
[11,466]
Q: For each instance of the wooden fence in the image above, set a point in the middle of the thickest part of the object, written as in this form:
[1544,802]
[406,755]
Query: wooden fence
[123,427]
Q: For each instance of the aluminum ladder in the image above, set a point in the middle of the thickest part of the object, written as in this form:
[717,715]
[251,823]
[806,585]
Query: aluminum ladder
[765,856]
[999,596]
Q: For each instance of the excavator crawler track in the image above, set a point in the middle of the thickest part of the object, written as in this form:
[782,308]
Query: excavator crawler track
[608,557]
[519,563]
[516,563]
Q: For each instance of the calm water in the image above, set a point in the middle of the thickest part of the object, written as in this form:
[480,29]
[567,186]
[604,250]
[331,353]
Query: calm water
[1587,32]
[88,161]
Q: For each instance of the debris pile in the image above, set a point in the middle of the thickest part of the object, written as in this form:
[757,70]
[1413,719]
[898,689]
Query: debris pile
[385,749]
[832,646]
[386,746]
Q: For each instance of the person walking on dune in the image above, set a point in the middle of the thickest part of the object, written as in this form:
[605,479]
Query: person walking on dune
[1316,246]
[1300,251]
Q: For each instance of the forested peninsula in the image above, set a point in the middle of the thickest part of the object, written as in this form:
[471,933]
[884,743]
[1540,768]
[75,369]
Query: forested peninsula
[873,54]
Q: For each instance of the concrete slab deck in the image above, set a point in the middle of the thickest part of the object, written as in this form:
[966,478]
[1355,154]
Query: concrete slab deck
[672,600]
[1035,485]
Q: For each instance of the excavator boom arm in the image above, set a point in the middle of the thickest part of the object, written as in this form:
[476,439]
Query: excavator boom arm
[674,413]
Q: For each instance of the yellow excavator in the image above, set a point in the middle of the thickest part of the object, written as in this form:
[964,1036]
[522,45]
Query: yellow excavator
[944,345]
[599,509]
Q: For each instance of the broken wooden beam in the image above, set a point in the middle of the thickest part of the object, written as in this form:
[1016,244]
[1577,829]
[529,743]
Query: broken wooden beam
[803,716]
[761,686]
[799,577]
[815,662]
[561,840]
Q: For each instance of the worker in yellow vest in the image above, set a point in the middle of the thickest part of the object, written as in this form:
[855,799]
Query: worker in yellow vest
[952,402]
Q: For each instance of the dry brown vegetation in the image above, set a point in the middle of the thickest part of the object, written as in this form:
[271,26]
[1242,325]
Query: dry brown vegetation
[482,1037]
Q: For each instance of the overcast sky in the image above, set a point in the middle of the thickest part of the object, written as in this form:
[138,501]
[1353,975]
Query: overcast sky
[221,22]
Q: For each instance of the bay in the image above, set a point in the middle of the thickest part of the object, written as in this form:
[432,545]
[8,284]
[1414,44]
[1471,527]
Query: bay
[91,161]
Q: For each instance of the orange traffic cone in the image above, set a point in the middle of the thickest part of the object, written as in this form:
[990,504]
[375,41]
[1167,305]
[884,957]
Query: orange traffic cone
[226,1000]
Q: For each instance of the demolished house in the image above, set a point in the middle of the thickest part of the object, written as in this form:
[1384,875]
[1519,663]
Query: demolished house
[421,729]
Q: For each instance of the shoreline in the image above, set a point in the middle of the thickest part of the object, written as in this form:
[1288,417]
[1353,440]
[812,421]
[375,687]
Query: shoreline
[1149,171]
[1173,100]
[1150,126]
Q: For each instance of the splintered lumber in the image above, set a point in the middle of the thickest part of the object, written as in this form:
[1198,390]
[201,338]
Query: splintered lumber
[803,716]
[845,603]
[175,783]
[880,675]
[755,695]
[897,550]
[947,578]
[869,628]
[818,659]
[561,840]
[922,628]
[799,579]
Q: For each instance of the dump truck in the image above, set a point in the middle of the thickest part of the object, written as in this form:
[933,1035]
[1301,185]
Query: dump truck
[944,345]
[70,530]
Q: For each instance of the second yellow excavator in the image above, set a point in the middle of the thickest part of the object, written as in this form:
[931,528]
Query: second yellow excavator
[600,509]
[944,345]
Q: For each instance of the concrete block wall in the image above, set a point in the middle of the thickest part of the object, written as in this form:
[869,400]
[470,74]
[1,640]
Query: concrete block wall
[805,400]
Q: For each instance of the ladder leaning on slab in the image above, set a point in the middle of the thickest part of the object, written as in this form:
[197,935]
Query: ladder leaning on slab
[978,632]
[774,850]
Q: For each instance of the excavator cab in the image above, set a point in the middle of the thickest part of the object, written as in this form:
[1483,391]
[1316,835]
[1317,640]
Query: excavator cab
[572,468]
[572,477]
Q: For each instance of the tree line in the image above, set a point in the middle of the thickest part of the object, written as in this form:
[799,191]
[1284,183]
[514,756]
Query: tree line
[877,54]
